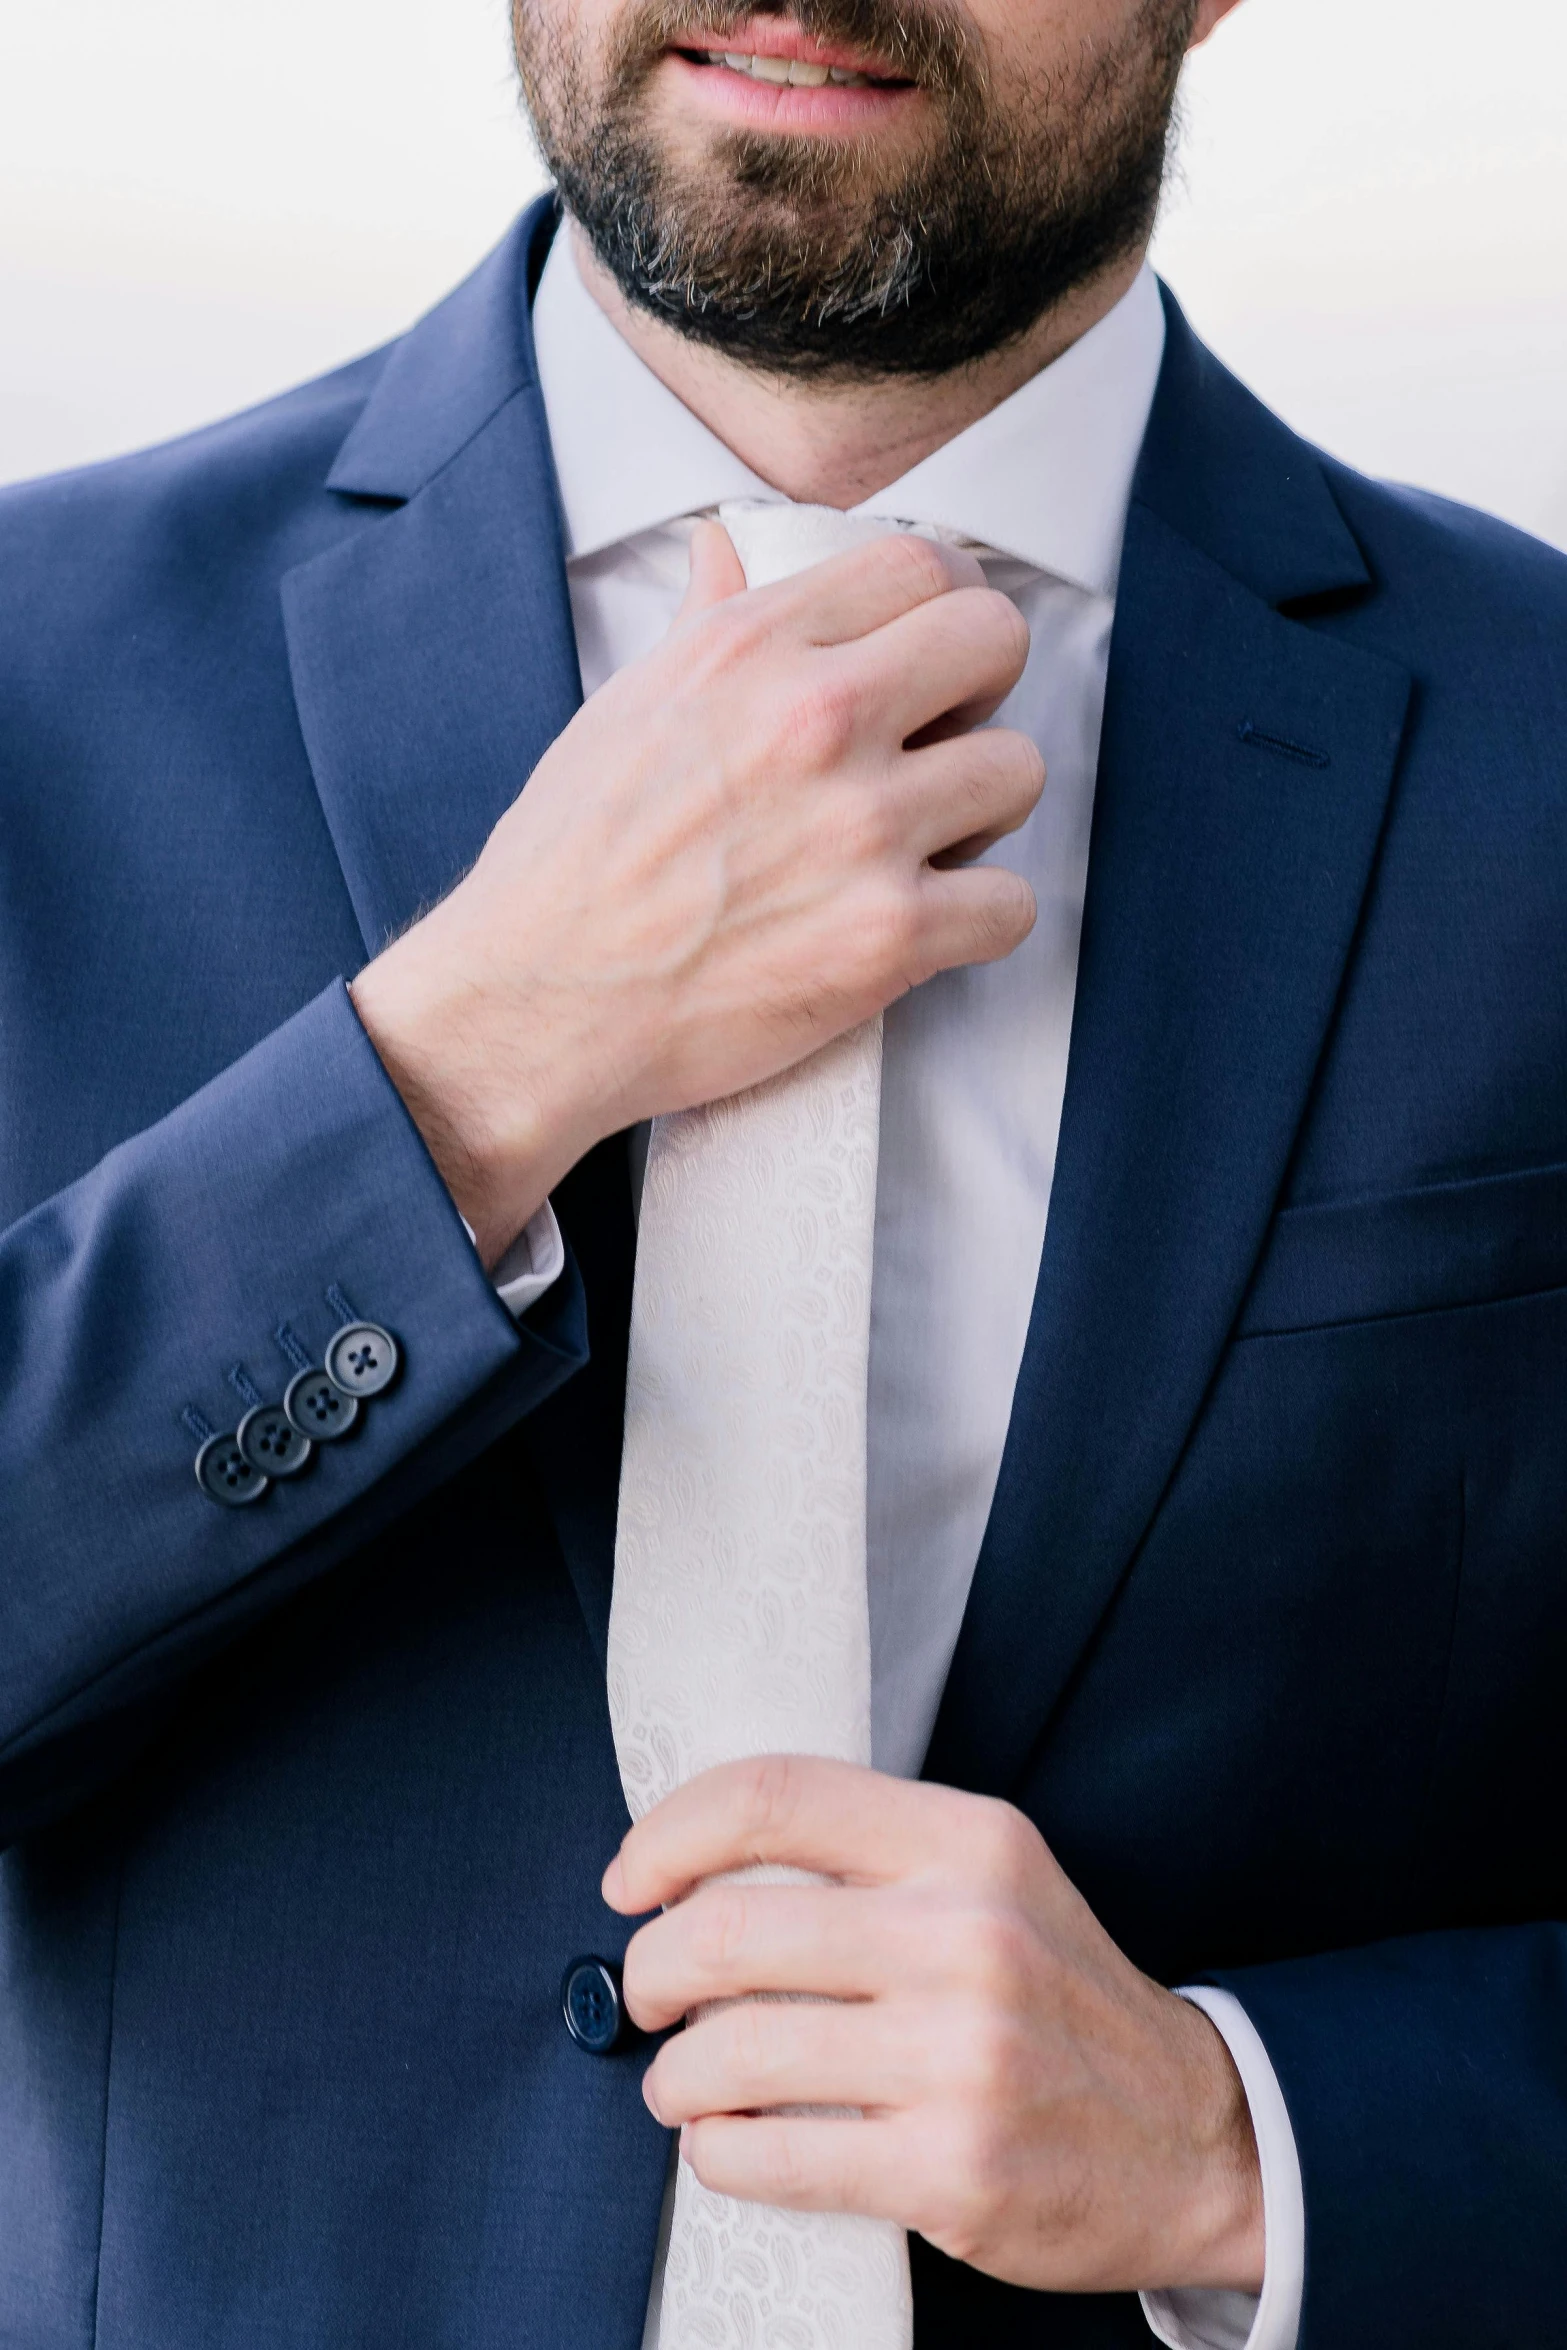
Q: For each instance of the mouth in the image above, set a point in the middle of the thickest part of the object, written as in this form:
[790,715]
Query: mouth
[773,73]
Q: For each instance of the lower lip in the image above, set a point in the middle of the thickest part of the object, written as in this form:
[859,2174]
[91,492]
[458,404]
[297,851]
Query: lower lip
[736,98]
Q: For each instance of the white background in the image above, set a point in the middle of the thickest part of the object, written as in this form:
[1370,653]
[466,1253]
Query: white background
[202,202]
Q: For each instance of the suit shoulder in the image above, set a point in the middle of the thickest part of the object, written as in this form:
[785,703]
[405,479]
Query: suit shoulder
[230,485]
[1475,612]
[1450,572]
[150,583]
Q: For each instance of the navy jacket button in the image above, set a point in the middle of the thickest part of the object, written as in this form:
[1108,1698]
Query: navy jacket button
[591,2003]
[271,1443]
[362,1358]
[318,1408]
[224,1474]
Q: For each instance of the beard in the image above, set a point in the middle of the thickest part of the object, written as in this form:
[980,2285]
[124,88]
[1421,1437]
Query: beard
[790,254]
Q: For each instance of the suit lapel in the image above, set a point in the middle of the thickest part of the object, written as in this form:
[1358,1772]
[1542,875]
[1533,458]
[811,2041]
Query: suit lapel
[434,662]
[1244,776]
[431,649]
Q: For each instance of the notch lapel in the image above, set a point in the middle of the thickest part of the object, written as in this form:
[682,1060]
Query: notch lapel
[434,662]
[1244,776]
[431,649]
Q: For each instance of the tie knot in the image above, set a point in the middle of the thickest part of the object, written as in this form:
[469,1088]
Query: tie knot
[774,542]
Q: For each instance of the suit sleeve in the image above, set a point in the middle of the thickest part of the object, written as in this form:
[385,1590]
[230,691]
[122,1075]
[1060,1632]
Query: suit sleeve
[1200,2318]
[194,1269]
[1426,2081]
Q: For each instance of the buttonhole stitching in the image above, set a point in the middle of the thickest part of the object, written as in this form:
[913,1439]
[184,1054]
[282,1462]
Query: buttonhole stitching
[286,1340]
[1281,746]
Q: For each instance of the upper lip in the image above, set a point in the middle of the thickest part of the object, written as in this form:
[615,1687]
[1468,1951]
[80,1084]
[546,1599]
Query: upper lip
[772,36]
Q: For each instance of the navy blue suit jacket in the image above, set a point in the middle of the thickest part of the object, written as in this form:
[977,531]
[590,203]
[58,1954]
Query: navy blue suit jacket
[305,1804]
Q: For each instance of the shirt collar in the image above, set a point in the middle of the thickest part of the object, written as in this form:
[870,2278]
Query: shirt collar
[1045,477]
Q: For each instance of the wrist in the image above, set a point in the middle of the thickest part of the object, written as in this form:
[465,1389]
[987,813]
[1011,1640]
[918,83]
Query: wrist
[499,1141]
[1222,2235]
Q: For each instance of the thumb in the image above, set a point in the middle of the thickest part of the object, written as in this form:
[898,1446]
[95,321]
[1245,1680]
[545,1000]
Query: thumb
[716,570]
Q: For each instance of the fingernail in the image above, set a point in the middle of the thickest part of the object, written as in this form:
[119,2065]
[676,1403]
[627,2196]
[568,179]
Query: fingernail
[613,1887]
[965,566]
[648,2098]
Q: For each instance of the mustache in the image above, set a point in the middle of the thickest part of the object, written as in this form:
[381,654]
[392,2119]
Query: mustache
[932,43]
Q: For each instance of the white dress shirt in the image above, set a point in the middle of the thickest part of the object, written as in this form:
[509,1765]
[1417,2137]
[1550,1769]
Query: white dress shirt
[974,1068]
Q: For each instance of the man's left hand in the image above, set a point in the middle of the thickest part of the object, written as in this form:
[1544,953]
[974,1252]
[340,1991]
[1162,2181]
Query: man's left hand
[1027,2099]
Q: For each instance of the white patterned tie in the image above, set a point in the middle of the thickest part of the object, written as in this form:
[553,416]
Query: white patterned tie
[739,1624]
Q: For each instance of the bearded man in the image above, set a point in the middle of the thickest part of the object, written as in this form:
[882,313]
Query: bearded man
[550,878]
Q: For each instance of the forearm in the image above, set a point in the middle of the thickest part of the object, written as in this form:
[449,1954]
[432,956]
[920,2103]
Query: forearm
[143,1304]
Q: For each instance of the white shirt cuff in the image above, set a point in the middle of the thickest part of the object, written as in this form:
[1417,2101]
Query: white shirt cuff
[1206,2319]
[535,1260]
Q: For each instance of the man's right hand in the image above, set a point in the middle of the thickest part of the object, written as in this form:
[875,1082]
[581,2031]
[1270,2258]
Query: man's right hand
[740,847]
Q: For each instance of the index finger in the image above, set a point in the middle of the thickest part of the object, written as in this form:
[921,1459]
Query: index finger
[849,595]
[788,1810]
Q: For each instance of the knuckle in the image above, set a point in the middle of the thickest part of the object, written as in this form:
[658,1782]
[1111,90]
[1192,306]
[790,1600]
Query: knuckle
[978,2175]
[915,563]
[719,640]
[720,1919]
[992,781]
[1000,1967]
[891,935]
[787,2171]
[697,2149]
[874,827]
[1004,776]
[1025,761]
[853,833]
[1011,629]
[1003,1846]
[638,1982]
[822,722]
[930,2172]
[749,2033]
[768,1797]
[978,772]
[1005,915]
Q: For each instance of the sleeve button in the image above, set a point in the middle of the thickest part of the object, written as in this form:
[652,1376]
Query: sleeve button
[317,1407]
[271,1443]
[362,1359]
[225,1475]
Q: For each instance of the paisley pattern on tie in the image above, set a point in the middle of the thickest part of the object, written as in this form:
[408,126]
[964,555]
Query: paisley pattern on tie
[739,1622]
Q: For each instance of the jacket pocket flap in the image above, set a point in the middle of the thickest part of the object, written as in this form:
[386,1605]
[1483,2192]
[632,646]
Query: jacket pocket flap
[1411,1252]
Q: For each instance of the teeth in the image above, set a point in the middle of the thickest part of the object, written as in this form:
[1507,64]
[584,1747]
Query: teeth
[791,70]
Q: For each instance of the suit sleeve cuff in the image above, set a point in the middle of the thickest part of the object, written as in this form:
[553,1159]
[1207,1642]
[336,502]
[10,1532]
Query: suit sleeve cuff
[534,1262]
[1192,2319]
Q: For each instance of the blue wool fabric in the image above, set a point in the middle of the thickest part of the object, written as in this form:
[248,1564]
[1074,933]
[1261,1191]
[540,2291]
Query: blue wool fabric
[305,1804]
